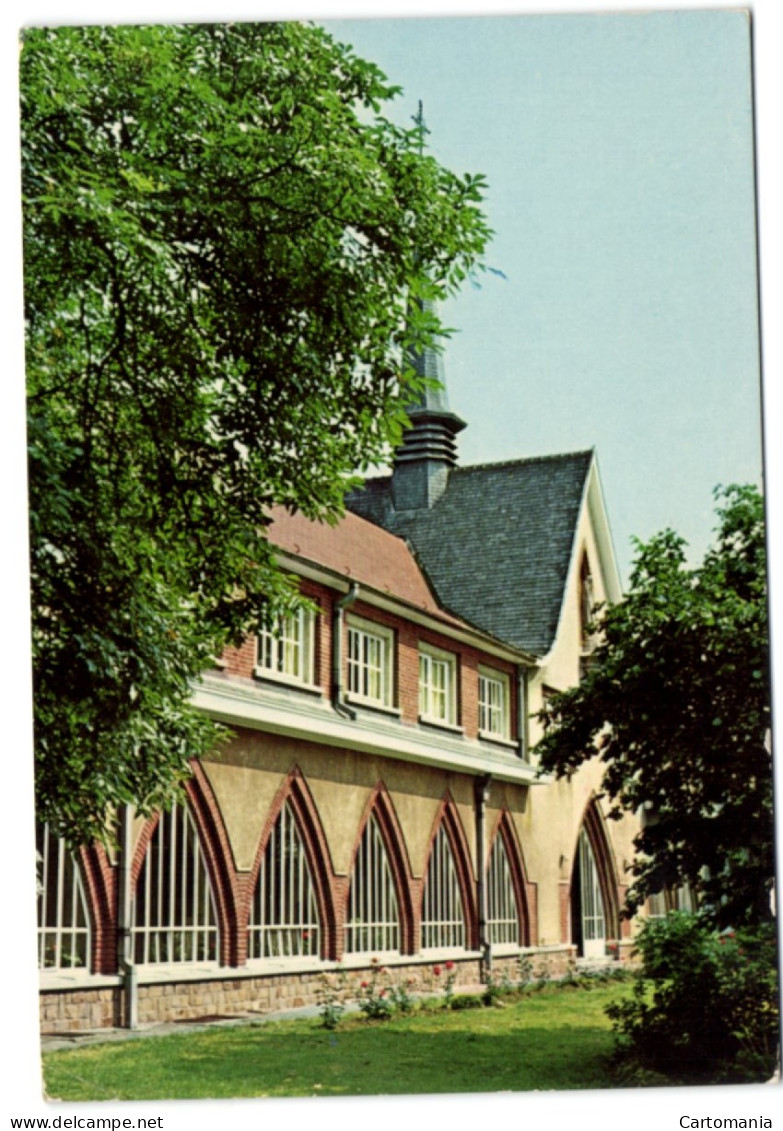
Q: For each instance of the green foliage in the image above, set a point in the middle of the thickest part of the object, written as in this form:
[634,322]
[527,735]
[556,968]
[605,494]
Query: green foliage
[676,704]
[224,247]
[373,996]
[550,1041]
[704,1008]
[331,995]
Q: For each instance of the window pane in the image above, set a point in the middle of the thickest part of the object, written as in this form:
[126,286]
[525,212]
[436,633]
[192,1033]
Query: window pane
[284,918]
[503,918]
[372,922]
[174,917]
[443,917]
[63,917]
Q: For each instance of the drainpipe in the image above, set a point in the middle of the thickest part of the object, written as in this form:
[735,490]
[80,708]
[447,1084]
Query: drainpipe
[481,795]
[338,697]
[522,732]
[125,963]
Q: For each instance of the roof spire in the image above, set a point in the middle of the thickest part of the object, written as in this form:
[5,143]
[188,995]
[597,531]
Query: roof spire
[428,449]
[421,126]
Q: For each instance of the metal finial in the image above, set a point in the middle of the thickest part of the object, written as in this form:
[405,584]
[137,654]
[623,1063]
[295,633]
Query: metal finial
[422,128]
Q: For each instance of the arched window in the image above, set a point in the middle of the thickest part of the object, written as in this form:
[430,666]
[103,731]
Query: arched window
[443,913]
[502,910]
[63,917]
[587,901]
[284,918]
[373,919]
[174,917]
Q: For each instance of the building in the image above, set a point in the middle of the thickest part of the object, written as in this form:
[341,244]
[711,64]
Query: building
[380,796]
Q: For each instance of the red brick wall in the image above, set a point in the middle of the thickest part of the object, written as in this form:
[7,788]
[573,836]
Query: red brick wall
[240,662]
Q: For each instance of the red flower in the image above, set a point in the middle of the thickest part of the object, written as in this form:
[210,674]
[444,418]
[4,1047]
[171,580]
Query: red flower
[381,992]
[436,971]
[305,934]
[365,985]
[449,965]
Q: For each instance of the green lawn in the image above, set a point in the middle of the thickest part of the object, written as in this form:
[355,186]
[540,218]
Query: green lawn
[554,1039]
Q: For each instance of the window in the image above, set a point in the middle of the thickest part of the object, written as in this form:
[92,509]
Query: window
[657,905]
[174,916]
[587,606]
[63,919]
[442,913]
[593,919]
[502,914]
[437,685]
[370,662]
[373,921]
[284,918]
[680,898]
[286,650]
[494,718]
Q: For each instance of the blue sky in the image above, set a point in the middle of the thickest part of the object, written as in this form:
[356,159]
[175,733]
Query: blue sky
[619,154]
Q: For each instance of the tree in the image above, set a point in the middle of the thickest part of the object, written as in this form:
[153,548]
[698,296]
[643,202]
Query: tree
[226,251]
[676,704]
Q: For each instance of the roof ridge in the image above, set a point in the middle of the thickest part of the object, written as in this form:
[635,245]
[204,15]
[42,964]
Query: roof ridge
[526,460]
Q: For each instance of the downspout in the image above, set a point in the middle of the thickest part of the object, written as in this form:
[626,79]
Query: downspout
[125,963]
[522,727]
[481,795]
[338,695]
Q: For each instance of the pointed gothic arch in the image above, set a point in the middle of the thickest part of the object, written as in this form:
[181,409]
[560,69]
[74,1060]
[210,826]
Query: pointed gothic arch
[448,888]
[508,891]
[378,905]
[594,899]
[292,845]
[184,909]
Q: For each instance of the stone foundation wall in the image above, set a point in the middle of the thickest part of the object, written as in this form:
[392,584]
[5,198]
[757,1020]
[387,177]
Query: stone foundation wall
[69,1011]
[64,1011]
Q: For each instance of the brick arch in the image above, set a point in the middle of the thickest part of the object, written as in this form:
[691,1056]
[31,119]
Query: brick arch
[380,806]
[526,893]
[214,844]
[593,824]
[101,892]
[295,791]
[448,816]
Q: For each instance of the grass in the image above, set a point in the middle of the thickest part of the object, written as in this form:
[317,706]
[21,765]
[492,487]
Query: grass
[554,1039]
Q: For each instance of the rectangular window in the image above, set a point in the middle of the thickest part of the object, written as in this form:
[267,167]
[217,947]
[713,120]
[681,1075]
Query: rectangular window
[286,650]
[370,662]
[437,685]
[494,718]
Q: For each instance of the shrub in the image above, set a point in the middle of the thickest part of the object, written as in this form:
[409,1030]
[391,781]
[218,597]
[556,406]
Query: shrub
[704,1008]
[373,997]
[330,996]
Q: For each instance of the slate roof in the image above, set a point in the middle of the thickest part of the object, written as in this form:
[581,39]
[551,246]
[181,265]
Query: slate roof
[497,546]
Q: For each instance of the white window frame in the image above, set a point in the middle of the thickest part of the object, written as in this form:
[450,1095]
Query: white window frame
[437,685]
[286,652]
[174,913]
[64,928]
[502,909]
[372,920]
[284,920]
[370,662]
[494,704]
[593,910]
[443,919]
